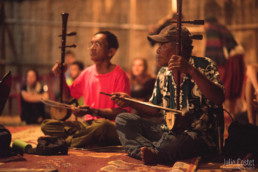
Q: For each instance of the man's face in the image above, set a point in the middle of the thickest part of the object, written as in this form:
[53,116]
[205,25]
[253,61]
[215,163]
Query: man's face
[74,71]
[164,52]
[99,50]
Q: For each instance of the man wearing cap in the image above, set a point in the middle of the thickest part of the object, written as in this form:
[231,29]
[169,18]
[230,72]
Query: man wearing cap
[200,88]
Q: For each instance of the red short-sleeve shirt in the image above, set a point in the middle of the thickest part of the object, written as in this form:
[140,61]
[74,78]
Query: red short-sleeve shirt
[89,84]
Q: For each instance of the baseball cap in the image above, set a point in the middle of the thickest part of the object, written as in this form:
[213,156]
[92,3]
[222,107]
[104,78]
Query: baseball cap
[169,34]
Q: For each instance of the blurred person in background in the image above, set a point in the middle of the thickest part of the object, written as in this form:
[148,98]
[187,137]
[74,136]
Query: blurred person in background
[75,69]
[228,55]
[141,82]
[32,110]
[69,60]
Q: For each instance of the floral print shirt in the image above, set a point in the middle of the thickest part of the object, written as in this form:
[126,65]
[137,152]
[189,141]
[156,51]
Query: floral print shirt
[204,122]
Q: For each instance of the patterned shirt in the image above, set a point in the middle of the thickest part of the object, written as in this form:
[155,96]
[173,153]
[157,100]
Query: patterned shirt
[191,98]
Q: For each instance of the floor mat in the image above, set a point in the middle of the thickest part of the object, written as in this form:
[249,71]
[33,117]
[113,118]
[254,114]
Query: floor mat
[112,158]
[83,160]
[29,134]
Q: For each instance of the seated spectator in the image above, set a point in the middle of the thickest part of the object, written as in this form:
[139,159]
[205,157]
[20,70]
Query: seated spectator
[69,59]
[32,110]
[75,70]
[141,82]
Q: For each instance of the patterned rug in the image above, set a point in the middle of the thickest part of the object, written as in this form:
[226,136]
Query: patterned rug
[29,133]
[102,159]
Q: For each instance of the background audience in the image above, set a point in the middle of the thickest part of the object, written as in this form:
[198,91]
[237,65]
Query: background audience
[223,49]
[141,82]
[32,110]
[75,69]
[69,59]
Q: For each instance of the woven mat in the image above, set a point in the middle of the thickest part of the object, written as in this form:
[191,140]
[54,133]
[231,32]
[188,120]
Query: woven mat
[29,134]
[84,160]
[111,158]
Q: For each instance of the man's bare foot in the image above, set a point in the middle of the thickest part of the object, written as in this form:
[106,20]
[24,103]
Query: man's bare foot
[149,156]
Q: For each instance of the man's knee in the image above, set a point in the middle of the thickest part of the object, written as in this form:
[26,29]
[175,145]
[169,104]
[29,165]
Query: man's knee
[105,132]
[177,147]
[45,125]
[45,122]
[104,124]
[52,127]
[125,118]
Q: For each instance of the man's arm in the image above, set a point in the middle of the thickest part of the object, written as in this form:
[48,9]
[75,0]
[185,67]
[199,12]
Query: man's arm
[209,89]
[32,97]
[108,113]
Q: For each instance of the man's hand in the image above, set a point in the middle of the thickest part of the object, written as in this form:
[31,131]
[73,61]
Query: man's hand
[81,111]
[178,63]
[256,95]
[120,102]
[56,69]
[209,89]
[255,104]
[255,101]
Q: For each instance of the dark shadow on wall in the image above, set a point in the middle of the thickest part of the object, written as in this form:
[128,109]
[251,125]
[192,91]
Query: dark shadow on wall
[229,11]
[212,8]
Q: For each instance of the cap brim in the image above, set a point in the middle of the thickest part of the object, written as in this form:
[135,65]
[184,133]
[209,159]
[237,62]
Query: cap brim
[157,38]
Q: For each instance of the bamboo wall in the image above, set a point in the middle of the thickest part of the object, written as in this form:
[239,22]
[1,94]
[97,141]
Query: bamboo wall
[32,28]
[36,24]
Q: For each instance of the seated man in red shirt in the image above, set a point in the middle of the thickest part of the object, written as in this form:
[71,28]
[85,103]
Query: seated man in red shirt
[98,127]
